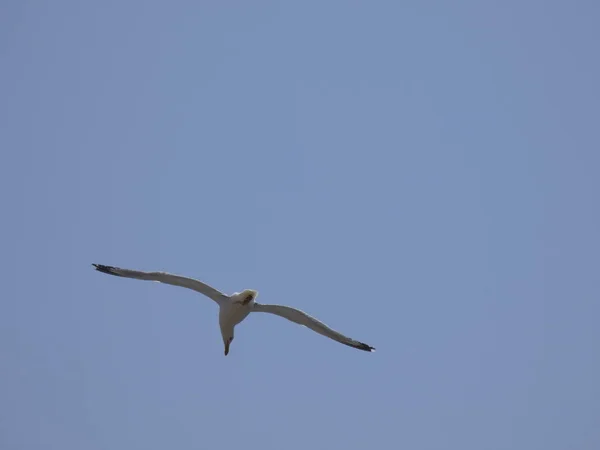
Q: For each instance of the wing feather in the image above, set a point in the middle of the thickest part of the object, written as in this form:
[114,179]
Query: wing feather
[166,278]
[301,318]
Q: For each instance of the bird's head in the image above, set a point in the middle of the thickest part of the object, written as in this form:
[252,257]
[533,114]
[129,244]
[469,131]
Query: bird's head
[249,295]
[246,297]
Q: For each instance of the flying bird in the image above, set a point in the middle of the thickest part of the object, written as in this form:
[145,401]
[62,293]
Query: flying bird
[236,307]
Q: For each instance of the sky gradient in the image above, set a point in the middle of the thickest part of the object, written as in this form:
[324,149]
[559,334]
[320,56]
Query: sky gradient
[422,176]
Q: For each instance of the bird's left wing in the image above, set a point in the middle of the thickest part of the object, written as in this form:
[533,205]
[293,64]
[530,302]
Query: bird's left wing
[300,317]
[166,278]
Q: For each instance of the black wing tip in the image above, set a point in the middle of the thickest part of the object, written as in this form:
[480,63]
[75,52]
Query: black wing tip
[106,269]
[365,347]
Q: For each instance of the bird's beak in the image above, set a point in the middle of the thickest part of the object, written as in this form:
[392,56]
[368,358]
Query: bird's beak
[227,348]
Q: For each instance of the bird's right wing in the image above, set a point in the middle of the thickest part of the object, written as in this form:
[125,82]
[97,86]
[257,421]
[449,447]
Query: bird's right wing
[301,318]
[166,278]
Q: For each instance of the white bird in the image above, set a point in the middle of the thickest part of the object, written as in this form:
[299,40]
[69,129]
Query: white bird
[236,307]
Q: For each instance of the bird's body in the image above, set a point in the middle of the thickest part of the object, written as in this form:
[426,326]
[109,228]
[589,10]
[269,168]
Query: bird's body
[234,308]
[234,312]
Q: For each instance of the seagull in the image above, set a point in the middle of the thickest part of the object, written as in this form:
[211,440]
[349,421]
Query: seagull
[236,307]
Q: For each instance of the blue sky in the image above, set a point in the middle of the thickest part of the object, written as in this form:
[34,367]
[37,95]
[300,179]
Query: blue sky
[422,176]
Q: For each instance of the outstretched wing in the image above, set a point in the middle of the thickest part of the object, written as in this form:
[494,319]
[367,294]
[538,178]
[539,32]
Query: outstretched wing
[300,317]
[166,278]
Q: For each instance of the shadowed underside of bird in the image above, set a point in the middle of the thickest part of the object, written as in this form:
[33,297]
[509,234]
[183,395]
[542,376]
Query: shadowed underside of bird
[234,308]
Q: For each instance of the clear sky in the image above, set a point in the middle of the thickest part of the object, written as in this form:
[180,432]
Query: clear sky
[422,176]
